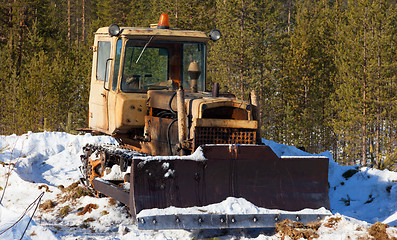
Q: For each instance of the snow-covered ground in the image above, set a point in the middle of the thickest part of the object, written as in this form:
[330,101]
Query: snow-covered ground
[48,162]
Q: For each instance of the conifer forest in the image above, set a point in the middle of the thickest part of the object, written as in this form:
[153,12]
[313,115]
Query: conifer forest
[325,70]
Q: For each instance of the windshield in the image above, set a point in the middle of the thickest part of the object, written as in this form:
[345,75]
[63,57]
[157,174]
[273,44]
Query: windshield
[150,64]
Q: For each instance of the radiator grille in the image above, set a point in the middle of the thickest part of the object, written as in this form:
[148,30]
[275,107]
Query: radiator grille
[219,135]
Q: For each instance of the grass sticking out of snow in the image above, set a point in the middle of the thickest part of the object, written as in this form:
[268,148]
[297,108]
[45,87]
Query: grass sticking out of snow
[64,211]
[49,204]
[378,231]
[349,173]
[75,191]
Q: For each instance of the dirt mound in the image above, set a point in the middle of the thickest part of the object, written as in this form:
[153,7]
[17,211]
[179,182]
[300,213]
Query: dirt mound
[297,230]
[378,231]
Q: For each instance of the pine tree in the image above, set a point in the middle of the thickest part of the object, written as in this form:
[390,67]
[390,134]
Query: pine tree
[270,34]
[382,73]
[364,61]
[310,71]
[110,12]
[141,13]
[233,54]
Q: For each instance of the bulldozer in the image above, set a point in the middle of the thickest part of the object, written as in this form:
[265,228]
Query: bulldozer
[181,145]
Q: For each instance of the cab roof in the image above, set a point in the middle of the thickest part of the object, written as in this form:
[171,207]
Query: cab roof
[162,34]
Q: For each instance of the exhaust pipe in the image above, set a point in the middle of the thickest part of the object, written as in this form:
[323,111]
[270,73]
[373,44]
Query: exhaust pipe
[255,102]
[182,129]
[194,74]
[215,90]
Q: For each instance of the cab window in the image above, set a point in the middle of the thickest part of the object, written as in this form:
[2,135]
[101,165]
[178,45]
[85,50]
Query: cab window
[117,64]
[144,68]
[160,64]
[103,55]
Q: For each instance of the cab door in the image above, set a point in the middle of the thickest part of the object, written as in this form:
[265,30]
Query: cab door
[98,110]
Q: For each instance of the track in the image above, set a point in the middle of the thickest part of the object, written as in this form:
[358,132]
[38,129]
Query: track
[98,158]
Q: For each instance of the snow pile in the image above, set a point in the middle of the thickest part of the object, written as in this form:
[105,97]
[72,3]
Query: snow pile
[359,196]
[358,192]
[9,218]
[364,193]
[284,150]
[38,162]
[47,157]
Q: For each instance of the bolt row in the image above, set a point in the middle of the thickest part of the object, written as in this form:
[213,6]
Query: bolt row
[223,220]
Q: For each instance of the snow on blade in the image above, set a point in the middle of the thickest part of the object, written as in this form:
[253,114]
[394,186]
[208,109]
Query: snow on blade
[198,155]
[231,205]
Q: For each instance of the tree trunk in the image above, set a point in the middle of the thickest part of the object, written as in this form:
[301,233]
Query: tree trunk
[364,116]
[83,23]
[69,35]
[242,50]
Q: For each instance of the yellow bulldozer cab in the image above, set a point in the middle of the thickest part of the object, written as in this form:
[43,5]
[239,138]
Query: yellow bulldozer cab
[126,66]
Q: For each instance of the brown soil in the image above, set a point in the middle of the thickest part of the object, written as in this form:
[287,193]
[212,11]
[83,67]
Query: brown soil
[45,187]
[332,221]
[88,208]
[73,192]
[47,205]
[378,231]
[296,230]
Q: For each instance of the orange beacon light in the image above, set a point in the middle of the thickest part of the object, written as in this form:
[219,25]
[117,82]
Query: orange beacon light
[164,22]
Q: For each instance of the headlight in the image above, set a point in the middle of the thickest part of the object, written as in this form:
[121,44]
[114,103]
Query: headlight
[114,30]
[215,35]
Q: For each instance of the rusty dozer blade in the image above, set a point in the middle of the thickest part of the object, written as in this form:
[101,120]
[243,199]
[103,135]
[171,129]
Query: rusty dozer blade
[252,172]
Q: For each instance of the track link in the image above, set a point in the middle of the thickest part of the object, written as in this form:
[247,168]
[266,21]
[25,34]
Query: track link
[96,158]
